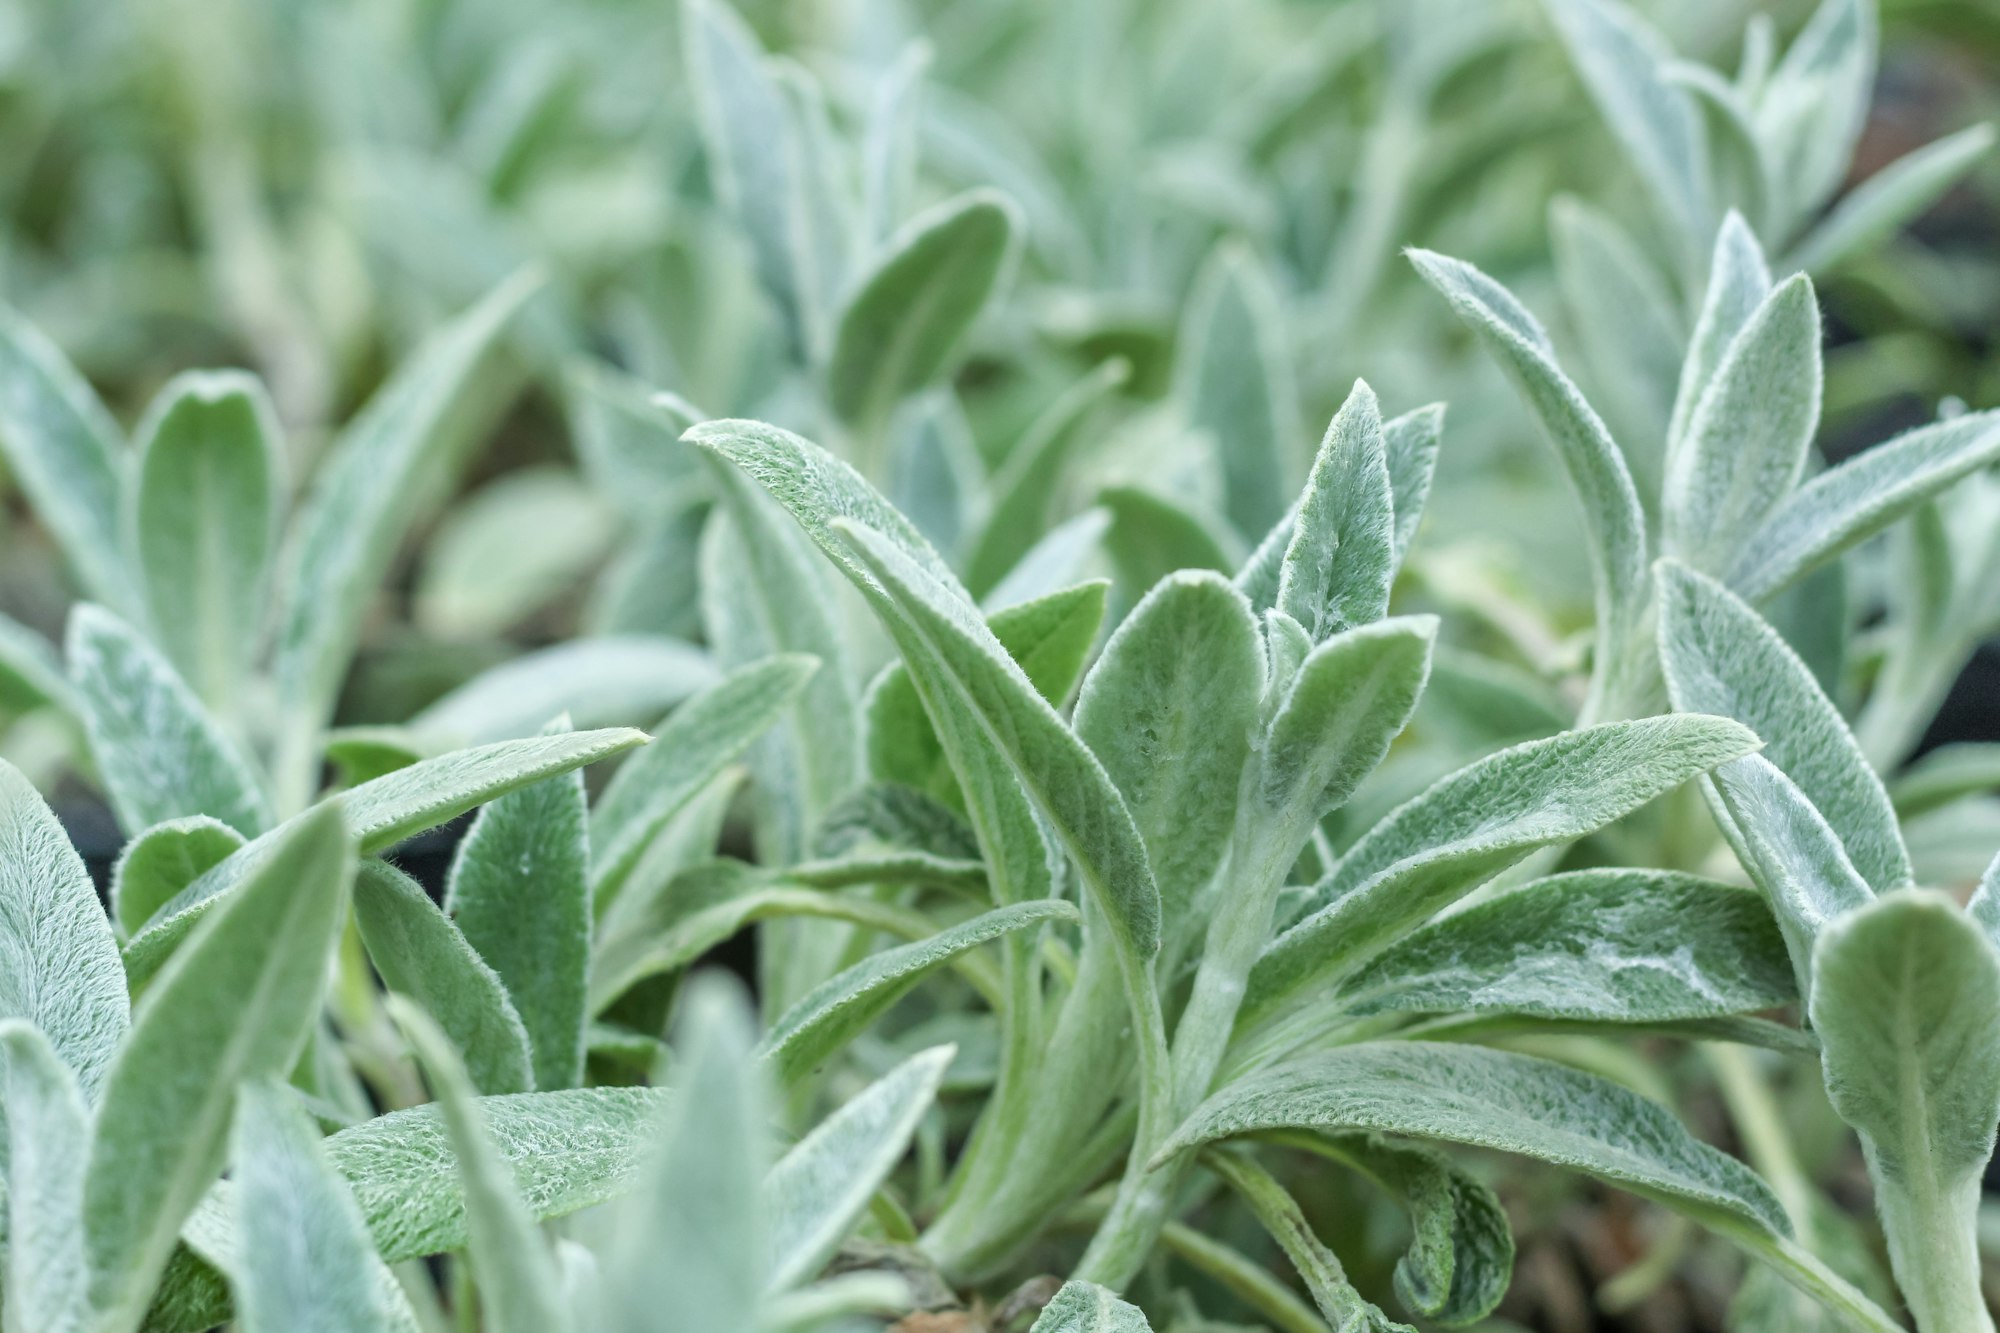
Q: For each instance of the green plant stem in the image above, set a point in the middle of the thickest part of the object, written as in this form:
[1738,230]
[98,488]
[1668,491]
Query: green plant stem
[1279,1213]
[1805,1271]
[1932,1228]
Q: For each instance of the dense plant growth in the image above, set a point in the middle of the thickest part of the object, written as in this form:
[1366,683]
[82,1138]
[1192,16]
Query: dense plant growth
[1137,910]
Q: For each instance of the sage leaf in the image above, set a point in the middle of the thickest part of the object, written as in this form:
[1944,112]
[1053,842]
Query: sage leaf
[1085,1307]
[66,454]
[162,861]
[347,530]
[59,967]
[1234,378]
[842,1007]
[1739,280]
[235,1003]
[1815,102]
[1152,536]
[1168,710]
[1494,1099]
[1612,515]
[1984,907]
[381,814]
[519,1289]
[306,1262]
[1720,657]
[1618,946]
[899,329]
[1341,559]
[700,738]
[204,523]
[1410,447]
[1906,994]
[1747,441]
[44,1135]
[421,954]
[160,753]
[604,681]
[1471,825]
[692,1235]
[519,891]
[1347,701]
[1461,1254]
[1857,499]
[1790,851]
[819,1189]
[31,671]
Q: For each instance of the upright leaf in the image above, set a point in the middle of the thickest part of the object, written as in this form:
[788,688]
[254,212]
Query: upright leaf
[1748,439]
[158,864]
[1350,698]
[1877,207]
[520,893]
[1906,998]
[1235,379]
[1815,102]
[700,739]
[59,966]
[692,1235]
[1085,1307]
[907,316]
[66,454]
[204,522]
[1168,711]
[819,1189]
[1410,444]
[348,529]
[306,1261]
[1720,657]
[1611,511]
[519,1290]
[44,1135]
[607,680]
[419,953]
[236,1003]
[160,753]
[1738,281]
[1341,559]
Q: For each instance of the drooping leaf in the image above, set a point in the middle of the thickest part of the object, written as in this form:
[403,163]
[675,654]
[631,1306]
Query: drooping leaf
[44,1136]
[702,736]
[351,523]
[204,523]
[66,454]
[235,1003]
[1494,1099]
[1479,820]
[162,861]
[1168,711]
[1906,996]
[519,1288]
[1461,1254]
[1235,379]
[818,1190]
[1846,504]
[519,891]
[1085,1307]
[1720,657]
[1750,433]
[837,1011]
[1620,946]
[1341,558]
[1612,515]
[306,1262]
[381,814]
[907,315]
[160,753]
[604,681]
[421,954]
[59,965]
